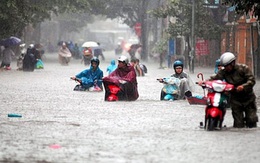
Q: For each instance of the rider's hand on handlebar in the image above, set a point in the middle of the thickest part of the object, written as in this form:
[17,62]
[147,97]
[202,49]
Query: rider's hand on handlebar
[160,80]
[200,83]
[240,88]
[122,81]
[73,77]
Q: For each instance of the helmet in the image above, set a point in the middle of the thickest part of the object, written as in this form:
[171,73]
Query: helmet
[31,46]
[22,45]
[177,64]
[94,59]
[226,58]
[123,59]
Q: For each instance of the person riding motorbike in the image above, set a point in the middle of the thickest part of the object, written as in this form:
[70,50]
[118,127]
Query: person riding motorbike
[90,77]
[186,85]
[242,99]
[64,54]
[122,78]
[87,56]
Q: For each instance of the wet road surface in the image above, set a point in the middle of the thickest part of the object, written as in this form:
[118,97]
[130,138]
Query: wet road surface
[59,125]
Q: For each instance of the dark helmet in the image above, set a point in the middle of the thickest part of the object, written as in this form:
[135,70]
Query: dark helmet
[177,64]
[95,59]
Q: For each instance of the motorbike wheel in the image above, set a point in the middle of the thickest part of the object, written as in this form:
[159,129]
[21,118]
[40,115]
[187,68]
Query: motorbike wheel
[162,95]
[211,123]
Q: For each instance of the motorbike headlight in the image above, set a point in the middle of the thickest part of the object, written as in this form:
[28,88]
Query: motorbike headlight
[218,87]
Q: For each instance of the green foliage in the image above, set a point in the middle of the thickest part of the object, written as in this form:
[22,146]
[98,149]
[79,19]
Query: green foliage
[205,24]
[160,46]
[245,6]
[15,15]
[128,11]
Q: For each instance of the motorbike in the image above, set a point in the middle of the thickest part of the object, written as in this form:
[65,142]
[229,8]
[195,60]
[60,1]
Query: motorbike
[216,101]
[122,91]
[79,86]
[113,90]
[170,90]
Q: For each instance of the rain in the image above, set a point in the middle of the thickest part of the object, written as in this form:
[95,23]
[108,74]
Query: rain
[43,120]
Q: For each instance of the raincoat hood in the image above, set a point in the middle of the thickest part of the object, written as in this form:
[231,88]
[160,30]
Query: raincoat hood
[113,62]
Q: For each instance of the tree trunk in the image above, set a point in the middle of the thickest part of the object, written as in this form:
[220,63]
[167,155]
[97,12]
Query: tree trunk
[144,52]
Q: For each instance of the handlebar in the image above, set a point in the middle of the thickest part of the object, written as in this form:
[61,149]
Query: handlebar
[160,80]
[76,79]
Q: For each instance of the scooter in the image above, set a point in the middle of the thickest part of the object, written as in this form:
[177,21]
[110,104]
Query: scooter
[79,87]
[216,103]
[122,91]
[170,90]
[113,90]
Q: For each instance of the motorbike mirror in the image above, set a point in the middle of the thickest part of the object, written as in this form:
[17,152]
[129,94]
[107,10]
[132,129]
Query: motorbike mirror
[200,75]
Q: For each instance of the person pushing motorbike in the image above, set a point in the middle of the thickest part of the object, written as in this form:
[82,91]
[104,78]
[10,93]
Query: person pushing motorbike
[242,99]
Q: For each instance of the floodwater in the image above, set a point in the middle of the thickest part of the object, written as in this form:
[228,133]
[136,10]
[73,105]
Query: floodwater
[59,125]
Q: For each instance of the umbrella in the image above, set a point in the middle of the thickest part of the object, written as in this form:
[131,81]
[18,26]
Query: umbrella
[38,46]
[90,44]
[60,43]
[11,41]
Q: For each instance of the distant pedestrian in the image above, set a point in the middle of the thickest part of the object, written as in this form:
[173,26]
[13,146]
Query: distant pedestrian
[7,58]
[64,54]
[111,67]
[98,51]
[135,64]
[87,56]
[29,60]
[162,58]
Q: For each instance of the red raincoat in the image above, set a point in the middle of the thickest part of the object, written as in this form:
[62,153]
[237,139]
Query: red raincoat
[128,91]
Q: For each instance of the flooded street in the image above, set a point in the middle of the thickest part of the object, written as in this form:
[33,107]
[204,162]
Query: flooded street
[59,125]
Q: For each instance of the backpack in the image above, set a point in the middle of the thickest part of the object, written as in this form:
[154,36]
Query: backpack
[143,67]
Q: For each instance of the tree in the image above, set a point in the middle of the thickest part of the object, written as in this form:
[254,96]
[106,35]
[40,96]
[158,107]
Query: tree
[179,18]
[130,12]
[15,15]
[245,6]
[205,25]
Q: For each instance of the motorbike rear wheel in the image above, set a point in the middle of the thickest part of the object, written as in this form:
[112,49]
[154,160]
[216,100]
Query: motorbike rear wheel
[211,124]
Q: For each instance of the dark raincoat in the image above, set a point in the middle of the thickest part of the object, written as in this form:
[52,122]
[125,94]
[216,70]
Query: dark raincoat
[29,60]
[243,101]
[128,91]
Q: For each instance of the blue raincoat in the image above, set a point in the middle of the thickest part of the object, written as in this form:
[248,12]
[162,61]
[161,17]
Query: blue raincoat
[111,67]
[89,77]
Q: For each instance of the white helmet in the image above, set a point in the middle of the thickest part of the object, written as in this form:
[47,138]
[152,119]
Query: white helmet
[123,59]
[226,58]
[31,46]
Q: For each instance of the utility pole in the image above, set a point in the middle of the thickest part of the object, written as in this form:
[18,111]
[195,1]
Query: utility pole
[192,52]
